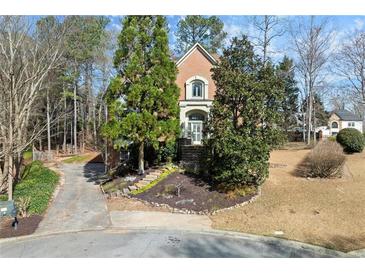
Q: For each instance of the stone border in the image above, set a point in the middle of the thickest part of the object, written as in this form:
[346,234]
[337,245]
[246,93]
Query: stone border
[186,211]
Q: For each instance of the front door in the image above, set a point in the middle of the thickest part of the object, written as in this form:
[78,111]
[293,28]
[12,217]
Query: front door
[196,132]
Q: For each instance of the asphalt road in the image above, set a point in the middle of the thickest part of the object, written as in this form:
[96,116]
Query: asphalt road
[158,244]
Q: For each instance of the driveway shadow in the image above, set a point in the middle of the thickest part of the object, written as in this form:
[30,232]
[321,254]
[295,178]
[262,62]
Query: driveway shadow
[95,173]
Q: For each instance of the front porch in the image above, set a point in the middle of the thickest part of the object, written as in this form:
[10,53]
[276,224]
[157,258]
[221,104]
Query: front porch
[193,118]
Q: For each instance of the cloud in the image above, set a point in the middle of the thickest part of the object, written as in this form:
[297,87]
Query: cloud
[232,31]
[359,24]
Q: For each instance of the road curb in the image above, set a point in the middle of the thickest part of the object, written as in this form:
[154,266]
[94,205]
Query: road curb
[212,232]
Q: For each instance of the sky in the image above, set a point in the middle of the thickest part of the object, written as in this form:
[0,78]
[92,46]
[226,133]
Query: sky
[236,25]
[341,26]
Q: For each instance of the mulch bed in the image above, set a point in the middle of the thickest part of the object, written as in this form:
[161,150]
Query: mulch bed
[26,226]
[195,194]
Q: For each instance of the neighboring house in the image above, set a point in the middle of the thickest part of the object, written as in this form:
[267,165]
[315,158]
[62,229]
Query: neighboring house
[197,90]
[344,119]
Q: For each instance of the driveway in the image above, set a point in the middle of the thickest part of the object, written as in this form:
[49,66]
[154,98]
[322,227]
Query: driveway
[159,243]
[79,204]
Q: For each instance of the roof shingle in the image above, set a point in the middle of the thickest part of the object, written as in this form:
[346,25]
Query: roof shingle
[347,115]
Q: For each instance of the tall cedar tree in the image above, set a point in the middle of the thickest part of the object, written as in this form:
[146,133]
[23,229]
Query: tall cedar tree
[208,31]
[291,93]
[143,97]
[245,111]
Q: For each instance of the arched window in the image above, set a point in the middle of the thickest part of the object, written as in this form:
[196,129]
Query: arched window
[196,117]
[334,125]
[197,89]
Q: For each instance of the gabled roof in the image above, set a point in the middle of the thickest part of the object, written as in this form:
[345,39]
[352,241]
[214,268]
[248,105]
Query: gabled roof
[346,115]
[201,49]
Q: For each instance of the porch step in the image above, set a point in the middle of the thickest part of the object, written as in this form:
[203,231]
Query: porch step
[131,188]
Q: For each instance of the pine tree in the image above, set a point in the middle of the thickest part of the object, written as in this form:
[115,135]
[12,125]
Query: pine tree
[245,111]
[143,97]
[208,31]
[291,93]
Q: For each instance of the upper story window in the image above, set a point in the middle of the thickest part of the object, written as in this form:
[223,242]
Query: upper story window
[334,125]
[351,124]
[197,89]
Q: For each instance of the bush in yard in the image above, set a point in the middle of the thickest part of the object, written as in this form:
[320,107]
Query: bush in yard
[22,205]
[351,139]
[38,183]
[242,125]
[325,160]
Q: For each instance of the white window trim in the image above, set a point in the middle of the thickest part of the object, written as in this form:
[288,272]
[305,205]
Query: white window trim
[189,88]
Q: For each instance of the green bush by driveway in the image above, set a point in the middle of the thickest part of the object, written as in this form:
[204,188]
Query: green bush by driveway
[351,139]
[38,183]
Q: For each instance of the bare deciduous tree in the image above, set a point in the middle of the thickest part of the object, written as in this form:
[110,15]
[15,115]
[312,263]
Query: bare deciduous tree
[312,43]
[268,28]
[350,65]
[26,59]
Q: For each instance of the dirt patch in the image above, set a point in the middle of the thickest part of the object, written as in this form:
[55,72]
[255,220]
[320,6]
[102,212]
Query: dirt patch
[121,204]
[26,226]
[326,212]
[195,194]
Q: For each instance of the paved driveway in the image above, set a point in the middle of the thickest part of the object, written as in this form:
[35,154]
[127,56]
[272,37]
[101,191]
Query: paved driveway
[158,243]
[79,204]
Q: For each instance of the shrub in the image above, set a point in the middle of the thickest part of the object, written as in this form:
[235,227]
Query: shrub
[37,182]
[235,161]
[325,160]
[22,205]
[351,139]
[170,189]
[332,138]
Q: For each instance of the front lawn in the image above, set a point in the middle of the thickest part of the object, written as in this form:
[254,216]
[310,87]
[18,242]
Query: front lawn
[38,184]
[326,212]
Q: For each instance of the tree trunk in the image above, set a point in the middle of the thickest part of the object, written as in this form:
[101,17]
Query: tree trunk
[65,123]
[4,179]
[106,143]
[75,117]
[141,158]
[71,137]
[48,125]
[94,126]
[10,177]
[309,118]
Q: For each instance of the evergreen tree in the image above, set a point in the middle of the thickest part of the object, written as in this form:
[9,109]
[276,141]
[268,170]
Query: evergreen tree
[208,31]
[321,115]
[143,97]
[291,93]
[245,111]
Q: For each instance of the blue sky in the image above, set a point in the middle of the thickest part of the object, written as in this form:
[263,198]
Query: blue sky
[236,25]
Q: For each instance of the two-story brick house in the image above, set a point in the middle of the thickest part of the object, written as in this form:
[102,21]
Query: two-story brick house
[197,90]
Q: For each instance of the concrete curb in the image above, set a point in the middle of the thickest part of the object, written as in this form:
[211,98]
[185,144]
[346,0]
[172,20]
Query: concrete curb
[212,232]
[47,234]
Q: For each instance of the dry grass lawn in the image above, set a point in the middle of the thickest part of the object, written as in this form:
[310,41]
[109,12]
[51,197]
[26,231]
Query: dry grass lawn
[120,204]
[326,212]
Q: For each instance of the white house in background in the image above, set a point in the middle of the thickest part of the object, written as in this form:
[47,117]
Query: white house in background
[344,119]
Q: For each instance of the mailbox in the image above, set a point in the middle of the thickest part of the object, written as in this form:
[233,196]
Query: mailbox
[7,208]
